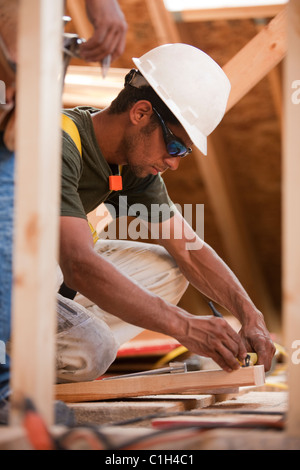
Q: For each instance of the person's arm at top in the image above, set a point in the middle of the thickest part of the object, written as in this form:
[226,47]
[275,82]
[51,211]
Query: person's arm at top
[96,278]
[110,28]
[206,271]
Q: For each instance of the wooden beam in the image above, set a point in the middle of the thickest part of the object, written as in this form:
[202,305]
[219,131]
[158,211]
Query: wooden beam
[162,22]
[77,11]
[275,82]
[196,382]
[229,13]
[257,58]
[85,86]
[291,220]
[37,203]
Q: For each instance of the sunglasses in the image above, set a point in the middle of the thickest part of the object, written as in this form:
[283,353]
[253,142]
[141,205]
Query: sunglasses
[175,146]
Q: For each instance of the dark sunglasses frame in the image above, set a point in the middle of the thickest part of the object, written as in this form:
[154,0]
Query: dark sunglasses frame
[175,146]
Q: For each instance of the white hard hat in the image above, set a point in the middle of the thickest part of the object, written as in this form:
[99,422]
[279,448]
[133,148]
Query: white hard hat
[191,84]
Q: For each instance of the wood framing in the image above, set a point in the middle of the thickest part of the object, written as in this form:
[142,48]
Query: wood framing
[85,86]
[162,22]
[208,381]
[37,203]
[77,11]
[229,13]
[257,58]
[291,221]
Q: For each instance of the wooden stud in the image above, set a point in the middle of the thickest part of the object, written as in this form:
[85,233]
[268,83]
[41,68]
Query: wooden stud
[229,13]
[196,382]
[291,220]
[257,58]
[37,203]
[85,86]
[162,21]
[77,11]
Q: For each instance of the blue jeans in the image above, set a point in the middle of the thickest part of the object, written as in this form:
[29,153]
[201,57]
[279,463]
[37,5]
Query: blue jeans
[6,244]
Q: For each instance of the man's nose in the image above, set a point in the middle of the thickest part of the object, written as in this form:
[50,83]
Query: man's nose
[172,162]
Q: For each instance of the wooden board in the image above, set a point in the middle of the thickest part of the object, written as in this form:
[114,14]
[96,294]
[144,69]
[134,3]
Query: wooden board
[223,421]
[38,141]
[119,411]
[291,222]
[198,382]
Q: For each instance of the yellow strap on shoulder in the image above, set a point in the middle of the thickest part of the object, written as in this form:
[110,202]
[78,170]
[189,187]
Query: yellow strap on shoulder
[94,233]
[70,128]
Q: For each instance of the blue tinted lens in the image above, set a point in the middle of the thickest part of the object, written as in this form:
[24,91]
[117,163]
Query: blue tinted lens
[176,148]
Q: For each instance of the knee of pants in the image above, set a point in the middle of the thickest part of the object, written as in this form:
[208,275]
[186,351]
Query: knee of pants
[150,265]
[85,351]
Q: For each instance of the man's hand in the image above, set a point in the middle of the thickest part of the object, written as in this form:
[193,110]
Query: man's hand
[257,339]
[110,28]
[215,338]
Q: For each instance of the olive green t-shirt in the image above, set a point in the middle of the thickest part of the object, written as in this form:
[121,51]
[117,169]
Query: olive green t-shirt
[85,180]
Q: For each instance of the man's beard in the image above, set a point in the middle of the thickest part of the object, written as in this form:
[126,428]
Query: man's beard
[129,146]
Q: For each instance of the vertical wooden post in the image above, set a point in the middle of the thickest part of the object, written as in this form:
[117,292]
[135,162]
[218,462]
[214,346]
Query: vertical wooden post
[291,219]
[37,201]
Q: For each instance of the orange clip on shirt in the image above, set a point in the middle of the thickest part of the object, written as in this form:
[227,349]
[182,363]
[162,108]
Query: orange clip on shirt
[115,182]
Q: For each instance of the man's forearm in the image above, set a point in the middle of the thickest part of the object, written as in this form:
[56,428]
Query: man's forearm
[101,282]
[206,271]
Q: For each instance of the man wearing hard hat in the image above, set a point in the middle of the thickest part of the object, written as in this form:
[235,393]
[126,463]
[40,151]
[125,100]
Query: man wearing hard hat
[112,289]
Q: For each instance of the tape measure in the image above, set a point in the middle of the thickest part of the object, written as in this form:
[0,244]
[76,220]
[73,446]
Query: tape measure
[250,360]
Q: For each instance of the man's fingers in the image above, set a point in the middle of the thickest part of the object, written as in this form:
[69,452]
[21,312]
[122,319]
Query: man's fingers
[227,347]
[110,41]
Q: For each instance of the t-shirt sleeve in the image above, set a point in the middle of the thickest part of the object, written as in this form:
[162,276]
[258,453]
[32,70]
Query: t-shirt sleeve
[148,199]
[71,204]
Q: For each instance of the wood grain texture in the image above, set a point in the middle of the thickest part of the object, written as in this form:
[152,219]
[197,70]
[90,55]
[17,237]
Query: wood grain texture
[198,382]
[37,203]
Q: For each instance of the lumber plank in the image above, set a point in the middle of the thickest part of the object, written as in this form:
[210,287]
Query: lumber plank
[257,58]
[118,411]
[228,13]
[210,422]
[188,401]
[163,24]
[198,382]
[291,221]
[37,203]
[77,12]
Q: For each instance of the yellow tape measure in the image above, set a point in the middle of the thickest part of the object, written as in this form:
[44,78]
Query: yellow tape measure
[251,360]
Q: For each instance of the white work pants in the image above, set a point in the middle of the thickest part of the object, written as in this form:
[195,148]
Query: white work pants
[88,338]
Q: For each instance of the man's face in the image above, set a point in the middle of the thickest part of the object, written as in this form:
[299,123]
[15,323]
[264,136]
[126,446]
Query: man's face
[147,152]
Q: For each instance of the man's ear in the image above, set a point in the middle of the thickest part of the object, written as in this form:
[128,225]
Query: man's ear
[140,112]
